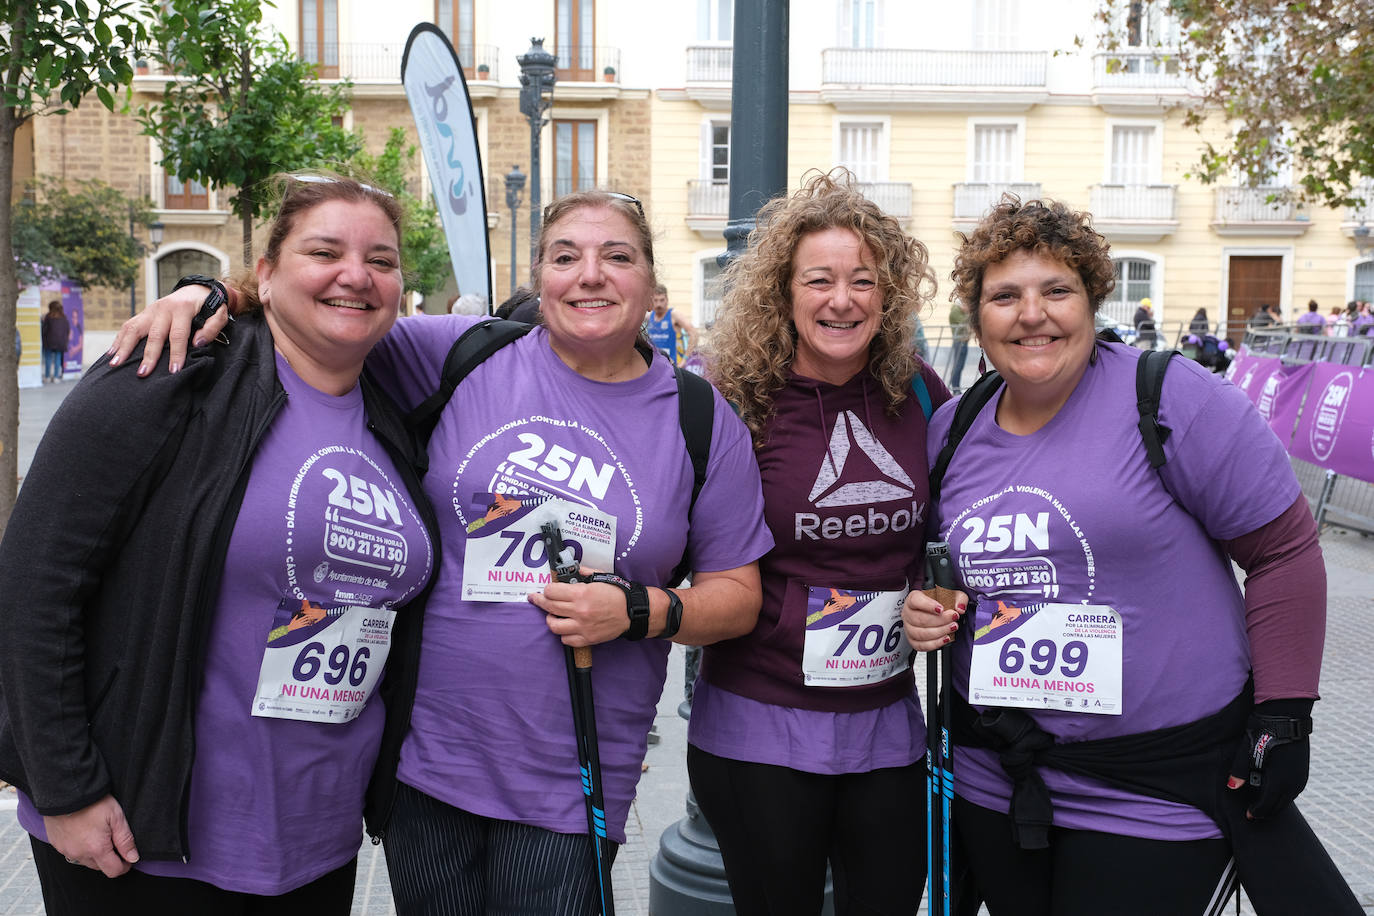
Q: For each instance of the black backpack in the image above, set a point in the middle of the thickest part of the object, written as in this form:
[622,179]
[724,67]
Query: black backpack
[695,403]
[1149,383]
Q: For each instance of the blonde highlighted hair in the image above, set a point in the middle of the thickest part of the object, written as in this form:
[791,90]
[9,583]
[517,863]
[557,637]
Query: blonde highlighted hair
[754,340]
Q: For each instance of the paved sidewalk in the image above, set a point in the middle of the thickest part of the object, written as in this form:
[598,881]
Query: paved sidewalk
[1339,800]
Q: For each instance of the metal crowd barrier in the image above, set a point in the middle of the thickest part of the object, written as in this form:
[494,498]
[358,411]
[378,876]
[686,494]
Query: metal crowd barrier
[1342,501]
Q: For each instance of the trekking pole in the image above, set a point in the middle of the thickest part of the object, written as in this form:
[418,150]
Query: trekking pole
[579,665]
[941,585]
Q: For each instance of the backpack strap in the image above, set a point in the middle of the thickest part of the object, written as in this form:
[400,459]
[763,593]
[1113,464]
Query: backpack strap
[1149,385]
[471,348]
[696,415]
[918,385]
[970,403]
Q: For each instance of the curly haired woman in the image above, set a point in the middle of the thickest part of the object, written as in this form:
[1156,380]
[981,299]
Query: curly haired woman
[806,735]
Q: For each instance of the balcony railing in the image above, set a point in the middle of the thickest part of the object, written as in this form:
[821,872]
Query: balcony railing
[1365,214]
[706,198]
[710,63]
[1137,70]
[973,199]
[892,197]
[895,66]
[1249,205]
[1133,201]
[361,60]
[586,64]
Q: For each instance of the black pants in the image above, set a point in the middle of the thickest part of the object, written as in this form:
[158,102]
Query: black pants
[777,827]
[75,890]
[1087,873]
[444,861]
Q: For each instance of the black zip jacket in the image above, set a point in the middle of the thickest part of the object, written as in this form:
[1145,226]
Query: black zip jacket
[111,566]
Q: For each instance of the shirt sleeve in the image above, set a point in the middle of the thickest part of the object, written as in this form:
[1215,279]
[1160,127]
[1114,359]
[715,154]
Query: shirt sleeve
[1285,603]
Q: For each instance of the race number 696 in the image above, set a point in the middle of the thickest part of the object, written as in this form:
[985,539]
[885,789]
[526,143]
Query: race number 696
[1044,654]
[312,658]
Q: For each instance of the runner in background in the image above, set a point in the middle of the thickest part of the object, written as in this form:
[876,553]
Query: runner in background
[807,736]
[203,578]
[664,328]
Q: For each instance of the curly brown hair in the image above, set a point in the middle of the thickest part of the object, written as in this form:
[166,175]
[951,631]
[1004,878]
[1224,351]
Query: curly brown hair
[754,341]
[1045,227]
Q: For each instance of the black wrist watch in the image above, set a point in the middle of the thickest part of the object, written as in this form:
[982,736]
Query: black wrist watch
[218,296]
[636,602]
[674,621]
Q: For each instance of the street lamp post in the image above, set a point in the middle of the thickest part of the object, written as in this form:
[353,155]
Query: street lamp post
[515,187]
[536,98]
[155,237]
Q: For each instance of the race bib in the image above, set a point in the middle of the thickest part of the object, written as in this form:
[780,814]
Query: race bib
[853,637]
[321,663]
[1049,656]
[505,558]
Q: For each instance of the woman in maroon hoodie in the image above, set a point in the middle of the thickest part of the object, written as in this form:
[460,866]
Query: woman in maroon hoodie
[806,736]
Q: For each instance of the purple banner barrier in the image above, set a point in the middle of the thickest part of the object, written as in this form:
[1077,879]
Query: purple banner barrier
[1281,399]
[1252,373]
[1336,429]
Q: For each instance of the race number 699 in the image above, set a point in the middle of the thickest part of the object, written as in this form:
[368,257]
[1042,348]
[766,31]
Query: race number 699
[1044,655]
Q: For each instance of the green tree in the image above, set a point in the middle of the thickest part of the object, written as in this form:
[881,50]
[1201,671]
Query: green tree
[424,248]
[53,55]
[241,105]
[80,233]
[1293,82]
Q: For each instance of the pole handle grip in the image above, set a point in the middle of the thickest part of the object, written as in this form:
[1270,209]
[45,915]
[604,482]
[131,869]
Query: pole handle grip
[582,656]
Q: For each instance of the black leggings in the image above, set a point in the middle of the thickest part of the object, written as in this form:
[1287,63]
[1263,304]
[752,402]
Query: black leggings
[75,890]
[777,827]
[1087,873]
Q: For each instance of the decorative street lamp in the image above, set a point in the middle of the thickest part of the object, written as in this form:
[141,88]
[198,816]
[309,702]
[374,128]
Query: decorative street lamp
[536,98]
[515,187]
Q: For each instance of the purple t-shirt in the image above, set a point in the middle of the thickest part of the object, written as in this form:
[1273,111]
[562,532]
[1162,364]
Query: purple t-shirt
[1312,318]
[1074,511]
[491,730]
[278,802]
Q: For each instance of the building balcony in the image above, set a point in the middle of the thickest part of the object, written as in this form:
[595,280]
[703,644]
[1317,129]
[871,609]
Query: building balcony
[897,78]
[892,197]
[1138,82]
[587,74]
[1248,211]
[973,199]
[708,207]
[710,73]
[1134,212]
[1360,215]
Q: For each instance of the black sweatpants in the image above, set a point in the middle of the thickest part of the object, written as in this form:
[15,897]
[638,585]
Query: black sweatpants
[75,890]
[1087,873]
[777,827]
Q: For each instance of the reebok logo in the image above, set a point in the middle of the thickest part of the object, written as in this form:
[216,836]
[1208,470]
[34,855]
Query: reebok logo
[886,481]
[849,431]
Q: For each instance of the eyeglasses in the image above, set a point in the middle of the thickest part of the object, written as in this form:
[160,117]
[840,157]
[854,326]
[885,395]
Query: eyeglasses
[325,179]
[618,195]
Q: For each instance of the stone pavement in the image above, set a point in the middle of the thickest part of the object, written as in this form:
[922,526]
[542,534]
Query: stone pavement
[1339,800]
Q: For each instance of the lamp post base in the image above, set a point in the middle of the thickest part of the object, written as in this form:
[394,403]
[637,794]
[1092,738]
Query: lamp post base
[687,876]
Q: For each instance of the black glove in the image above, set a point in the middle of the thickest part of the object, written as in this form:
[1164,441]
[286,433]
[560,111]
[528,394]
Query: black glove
[1274,755]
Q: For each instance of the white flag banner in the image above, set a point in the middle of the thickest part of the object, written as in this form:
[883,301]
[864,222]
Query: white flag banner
[438,94]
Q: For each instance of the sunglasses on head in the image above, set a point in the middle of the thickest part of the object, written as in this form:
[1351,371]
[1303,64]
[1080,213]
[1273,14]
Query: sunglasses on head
[325,179]
[618,195]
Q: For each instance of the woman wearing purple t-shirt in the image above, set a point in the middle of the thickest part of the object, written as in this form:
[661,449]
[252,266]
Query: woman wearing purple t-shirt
[479,799]
[806,734]
[1110,676]
[204,576]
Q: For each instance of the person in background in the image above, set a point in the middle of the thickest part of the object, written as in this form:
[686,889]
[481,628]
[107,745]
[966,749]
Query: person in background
[806,735]
[1311,321]
[1199,325]
[1363,321]
[958,354]
[575,420]
[1264,317]
[56,332]
[468,304]
[1144,321]
[1337,325]
[663,327]
[171,714]
[1175,722]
